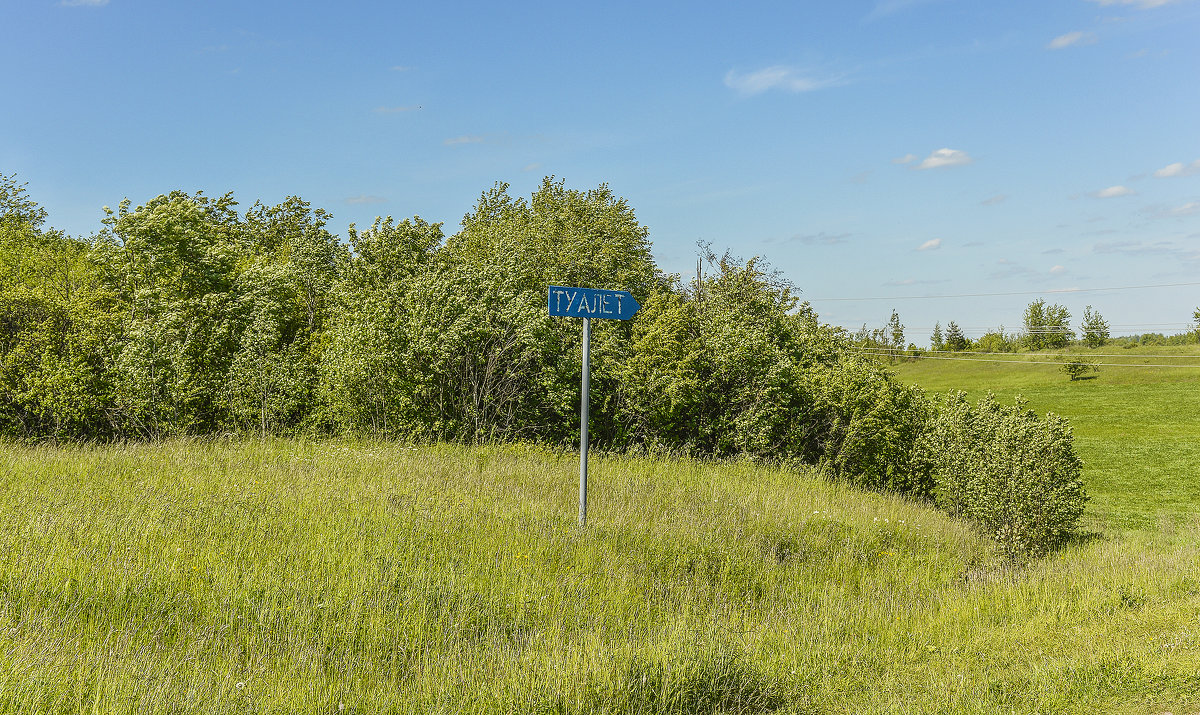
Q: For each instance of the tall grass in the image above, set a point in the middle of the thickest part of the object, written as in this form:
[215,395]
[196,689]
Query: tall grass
[286,576]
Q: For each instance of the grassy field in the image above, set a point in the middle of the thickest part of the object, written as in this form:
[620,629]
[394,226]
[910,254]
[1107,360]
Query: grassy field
[283,576]
[1137,428]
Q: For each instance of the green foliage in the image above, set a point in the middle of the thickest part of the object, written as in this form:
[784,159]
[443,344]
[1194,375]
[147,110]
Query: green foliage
[955,340]
[936,341]
[16,208]
[997,341]
[1047,326]
[1013,475]
[1077,368]
[1094,328]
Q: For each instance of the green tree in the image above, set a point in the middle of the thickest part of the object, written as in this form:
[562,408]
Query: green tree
[1196,323]
[369,370]
[936,341]
[57,328]
[1094,328]
[955,340]
[1047,326]
[895,334]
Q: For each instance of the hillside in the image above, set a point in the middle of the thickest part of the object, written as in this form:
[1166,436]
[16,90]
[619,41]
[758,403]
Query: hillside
[286,576]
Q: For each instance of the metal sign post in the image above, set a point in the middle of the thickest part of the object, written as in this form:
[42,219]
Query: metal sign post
[583,419]
[588,303]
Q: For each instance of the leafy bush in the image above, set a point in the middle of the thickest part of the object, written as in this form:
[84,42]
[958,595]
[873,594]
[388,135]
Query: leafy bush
[1015,476]
[1076,368]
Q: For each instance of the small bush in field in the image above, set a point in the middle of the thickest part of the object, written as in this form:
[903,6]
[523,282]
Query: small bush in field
[1012,474]
[1075,369]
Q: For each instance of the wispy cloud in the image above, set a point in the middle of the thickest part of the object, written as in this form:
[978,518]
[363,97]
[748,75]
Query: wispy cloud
[932,244]
[884,8]
[531,167]
[993,200]
[1058,270]
[464,139]
[83,3]
[1071,38]
[400,68]
[1140,4]
[821,239]
[397,110]
[943,158]
[779,77]
[906,159]
[1012,269]
[365,199]
[913,282]
[1191,208]
[1112,192]
[1141,248]
[1178,169]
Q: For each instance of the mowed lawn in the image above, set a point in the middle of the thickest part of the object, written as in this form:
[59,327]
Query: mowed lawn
[1137,427]
[286,576]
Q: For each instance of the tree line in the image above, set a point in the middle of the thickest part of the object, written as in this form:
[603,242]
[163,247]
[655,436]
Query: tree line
[187,316]
[1045,326]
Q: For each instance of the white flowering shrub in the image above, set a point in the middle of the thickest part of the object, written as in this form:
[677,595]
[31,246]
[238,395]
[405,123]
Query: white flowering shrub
[1014,475]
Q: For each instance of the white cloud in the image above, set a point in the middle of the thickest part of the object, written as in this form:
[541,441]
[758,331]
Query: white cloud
[531,167]
[906,159]
[1140,4]
[821,239]
[1191,208]
[400,68]
[397,110]
[787,79]
[1113,192]
[1058,270]
[943,158]
[83,3]
[883,8]
[1071,38]
[931,245]
[365,199]
[464,139]
[993,200]
[1178,169]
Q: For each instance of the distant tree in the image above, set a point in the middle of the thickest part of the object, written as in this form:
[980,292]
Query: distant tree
[896,331]
[1094,328]
[936,341]
[1047,326]
[1196,323]
[955,340]
[996,341]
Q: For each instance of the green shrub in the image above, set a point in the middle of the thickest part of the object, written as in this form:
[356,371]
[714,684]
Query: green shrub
[1015,476]
[1075,369]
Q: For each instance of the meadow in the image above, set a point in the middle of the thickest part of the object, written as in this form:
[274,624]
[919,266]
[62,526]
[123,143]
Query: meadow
[1137,426]
[273,576]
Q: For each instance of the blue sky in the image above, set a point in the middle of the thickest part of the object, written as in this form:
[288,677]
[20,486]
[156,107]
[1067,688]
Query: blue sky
[884,148]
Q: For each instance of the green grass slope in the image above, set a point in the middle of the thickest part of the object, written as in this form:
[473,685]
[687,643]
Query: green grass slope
[1137,427]
[282,577]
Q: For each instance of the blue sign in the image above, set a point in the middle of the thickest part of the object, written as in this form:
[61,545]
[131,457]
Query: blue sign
[591,303]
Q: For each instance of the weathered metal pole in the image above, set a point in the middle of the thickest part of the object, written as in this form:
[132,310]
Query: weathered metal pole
[583,420]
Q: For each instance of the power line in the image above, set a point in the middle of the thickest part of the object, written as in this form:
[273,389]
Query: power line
[1022,292]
